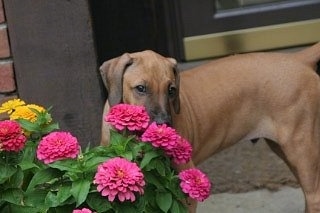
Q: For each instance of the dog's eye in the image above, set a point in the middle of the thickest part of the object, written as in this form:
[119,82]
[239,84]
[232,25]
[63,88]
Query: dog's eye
[141,89]
[172,91]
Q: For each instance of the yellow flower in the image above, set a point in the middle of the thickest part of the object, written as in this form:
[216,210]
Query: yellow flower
[11,105]
[25,112]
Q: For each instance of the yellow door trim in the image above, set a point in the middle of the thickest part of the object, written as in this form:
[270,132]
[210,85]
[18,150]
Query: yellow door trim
[253,39]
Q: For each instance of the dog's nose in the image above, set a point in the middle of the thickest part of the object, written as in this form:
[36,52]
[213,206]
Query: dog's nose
[162,118]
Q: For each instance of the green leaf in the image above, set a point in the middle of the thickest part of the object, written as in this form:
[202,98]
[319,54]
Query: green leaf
[125,207]
[29,126]
[49,128]
[29,152]
[6,172]
[116,138]
[87,148]
[17,179]
[147,158]
[52,200]
[61,209]
[57,199]
[174,187]
[14,196]
[80,190]
[42,125]
[22,209]
[138,148]
[178,207]
[161,168]
[93,162]
[118,142]
[151,179]
[28,156]
[140,204]
[98,203]
[128,155]
[70,165]
[36,198]
[10,158]
[164,200]
[43,117]
[25,165]
[43,176]
[64,193]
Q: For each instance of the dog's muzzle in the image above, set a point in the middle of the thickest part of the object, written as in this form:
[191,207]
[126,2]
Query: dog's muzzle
[161,118]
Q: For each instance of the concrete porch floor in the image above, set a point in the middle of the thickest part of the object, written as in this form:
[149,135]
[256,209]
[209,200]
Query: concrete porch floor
[286,200]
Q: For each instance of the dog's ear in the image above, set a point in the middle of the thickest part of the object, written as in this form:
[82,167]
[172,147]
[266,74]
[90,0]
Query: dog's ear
[112,75]
[176,101]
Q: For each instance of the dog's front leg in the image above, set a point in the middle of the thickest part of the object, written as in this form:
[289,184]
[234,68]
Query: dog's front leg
[105,127]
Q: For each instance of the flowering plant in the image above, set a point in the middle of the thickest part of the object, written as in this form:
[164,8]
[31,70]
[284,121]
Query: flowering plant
[44,169]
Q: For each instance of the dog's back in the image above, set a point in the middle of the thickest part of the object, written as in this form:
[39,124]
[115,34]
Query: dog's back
[236,92]
[310,55]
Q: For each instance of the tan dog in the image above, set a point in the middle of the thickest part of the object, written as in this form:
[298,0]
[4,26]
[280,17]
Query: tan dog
[275,96]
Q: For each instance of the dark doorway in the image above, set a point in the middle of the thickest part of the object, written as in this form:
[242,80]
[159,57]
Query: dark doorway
[129,26]
[193,29]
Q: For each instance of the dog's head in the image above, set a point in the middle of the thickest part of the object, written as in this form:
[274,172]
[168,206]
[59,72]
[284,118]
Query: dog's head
[143,78]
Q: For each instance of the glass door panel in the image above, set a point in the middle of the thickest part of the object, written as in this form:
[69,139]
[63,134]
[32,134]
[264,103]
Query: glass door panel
[211,28]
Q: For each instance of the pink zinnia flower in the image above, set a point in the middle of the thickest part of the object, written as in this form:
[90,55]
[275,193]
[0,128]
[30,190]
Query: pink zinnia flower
[57,146]
[195,183]
[161,136]
[181,152]
[119,177]
[166,138]
[134,118]
[84,210]
[11,136]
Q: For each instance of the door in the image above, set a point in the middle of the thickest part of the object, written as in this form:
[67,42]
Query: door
[210,28]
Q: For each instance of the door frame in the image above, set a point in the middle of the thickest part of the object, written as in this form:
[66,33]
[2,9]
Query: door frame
[245,29]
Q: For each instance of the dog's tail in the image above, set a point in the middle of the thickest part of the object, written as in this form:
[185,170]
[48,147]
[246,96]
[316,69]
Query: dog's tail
[310,56]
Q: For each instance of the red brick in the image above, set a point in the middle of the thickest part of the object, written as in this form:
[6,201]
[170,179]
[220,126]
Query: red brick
[2,16]
[7,82]
[4,43]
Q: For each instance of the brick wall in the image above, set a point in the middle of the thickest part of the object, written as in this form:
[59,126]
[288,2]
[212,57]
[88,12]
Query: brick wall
[7,80]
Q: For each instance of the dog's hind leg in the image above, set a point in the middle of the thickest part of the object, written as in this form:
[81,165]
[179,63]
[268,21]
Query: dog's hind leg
[302,154]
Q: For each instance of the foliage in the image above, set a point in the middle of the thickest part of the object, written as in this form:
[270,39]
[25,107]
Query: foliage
[27,184]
